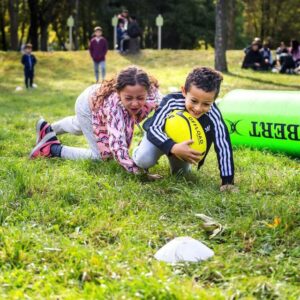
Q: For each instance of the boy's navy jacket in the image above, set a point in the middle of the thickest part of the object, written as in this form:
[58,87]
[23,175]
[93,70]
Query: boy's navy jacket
[28,60]
[213,126]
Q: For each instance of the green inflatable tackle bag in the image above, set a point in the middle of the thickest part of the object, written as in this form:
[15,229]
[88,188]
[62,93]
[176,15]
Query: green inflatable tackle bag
[263,119]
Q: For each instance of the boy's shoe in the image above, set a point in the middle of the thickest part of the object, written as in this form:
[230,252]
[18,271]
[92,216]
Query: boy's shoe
[42,129]
[43,148]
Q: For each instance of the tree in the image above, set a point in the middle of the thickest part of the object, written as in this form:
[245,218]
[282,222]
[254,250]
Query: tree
[2,25]
[220,37]
[33,29]
[13,8]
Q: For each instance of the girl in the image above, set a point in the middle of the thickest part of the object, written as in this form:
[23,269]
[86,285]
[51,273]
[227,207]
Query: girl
[106,115]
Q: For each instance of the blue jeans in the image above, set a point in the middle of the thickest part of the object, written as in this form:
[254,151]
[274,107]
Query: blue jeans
[103,69]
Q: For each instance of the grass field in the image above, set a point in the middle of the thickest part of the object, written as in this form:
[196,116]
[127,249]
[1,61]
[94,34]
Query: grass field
[89,230]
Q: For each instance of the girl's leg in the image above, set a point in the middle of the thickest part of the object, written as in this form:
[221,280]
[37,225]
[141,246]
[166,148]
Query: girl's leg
[67,125]
[26,79]
[84,118]
[103,69]
[96,70]
[31,78]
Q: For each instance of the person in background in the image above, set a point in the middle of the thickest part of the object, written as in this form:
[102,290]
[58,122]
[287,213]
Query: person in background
[134,33]
[120,33]
[253,59]
[29,61]
[98,48]
[257,41]
[124,16]
[267,56]
[295,52]
[133,30]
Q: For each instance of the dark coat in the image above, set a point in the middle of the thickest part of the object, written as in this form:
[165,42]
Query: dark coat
[98,49]
[28,60]
[251,58]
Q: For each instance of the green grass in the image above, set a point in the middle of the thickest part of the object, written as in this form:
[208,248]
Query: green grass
[89,230]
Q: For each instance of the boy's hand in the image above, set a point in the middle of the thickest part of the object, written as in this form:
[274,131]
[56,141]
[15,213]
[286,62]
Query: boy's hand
[184,152]
[229,188]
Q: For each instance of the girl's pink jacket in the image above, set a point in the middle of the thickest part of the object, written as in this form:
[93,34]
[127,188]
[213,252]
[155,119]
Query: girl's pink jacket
[113,127]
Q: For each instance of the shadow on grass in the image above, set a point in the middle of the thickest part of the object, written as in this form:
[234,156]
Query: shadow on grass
[263,81]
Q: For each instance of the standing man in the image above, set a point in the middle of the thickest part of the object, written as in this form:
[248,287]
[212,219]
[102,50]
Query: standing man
[98,49]
[28,60]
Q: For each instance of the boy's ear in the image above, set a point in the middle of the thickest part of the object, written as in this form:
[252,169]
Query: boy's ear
[183,91]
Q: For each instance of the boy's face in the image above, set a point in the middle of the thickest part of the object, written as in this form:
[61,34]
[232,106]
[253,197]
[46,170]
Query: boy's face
[197,101]
[98,33]
[28,50]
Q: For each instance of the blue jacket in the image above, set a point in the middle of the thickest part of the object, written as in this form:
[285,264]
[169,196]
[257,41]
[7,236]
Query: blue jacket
[28,60]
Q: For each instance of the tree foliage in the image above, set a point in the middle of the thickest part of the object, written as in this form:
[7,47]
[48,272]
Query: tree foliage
[186,23]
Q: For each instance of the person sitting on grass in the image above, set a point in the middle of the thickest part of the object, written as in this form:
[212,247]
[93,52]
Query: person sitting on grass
[197,97]
[106,115]
[29,61]
[253,59]
[267,56]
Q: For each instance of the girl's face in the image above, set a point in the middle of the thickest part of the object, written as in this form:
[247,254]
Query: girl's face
[133,97]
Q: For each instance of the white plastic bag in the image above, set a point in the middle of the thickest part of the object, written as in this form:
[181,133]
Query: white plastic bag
[183,249]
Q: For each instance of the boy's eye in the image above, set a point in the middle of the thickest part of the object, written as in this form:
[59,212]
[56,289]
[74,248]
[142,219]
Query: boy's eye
[194,101]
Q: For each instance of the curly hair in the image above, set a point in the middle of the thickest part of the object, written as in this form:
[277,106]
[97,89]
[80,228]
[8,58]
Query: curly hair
[131,75]
[204,78]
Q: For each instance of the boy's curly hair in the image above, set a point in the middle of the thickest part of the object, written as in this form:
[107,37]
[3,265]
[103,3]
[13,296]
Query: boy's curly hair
[204,78]
[131,75]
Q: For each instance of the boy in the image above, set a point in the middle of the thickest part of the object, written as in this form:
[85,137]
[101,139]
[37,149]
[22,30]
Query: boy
[98,49]
[197,97]
[28,60]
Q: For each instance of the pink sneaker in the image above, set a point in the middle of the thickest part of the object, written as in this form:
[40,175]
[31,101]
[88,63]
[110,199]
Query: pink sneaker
[43,148]
[41,129]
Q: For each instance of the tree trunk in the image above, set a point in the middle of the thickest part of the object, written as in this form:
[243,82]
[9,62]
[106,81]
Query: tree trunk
[2,26]
[76,25]
[220,37]
[22,34]
[33,30]
[231,24]
[44,35]
[13,7]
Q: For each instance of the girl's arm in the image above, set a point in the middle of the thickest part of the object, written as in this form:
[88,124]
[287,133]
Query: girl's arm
[117,139]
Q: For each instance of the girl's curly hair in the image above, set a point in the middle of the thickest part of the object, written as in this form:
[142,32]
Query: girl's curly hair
[131,75]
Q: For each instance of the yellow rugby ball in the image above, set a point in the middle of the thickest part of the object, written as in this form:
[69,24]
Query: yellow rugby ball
[180,126]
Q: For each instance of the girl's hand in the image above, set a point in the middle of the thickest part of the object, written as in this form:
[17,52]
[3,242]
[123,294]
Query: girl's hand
[229,188]
[184,152]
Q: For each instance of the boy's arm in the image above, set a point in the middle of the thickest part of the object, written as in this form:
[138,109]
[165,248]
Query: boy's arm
[222,146]
[23,59]
[155,133]
[34,60]
[105,46]
[91,48]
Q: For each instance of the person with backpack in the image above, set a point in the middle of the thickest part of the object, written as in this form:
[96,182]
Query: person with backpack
[134,32]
